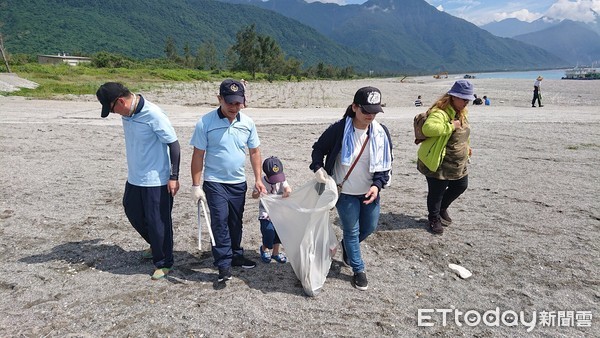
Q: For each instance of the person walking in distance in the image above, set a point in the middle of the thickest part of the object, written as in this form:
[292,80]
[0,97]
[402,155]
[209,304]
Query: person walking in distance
[537,92]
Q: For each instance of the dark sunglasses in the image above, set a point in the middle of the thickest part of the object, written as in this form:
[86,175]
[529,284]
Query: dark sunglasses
[366,112]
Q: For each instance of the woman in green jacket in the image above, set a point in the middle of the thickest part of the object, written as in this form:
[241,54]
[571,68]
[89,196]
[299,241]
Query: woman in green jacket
[444,155]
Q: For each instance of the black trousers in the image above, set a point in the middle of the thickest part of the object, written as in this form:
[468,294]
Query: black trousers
[536,96]
[441,193]
[149,212]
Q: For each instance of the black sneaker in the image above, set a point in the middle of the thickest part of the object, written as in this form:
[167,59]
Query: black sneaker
[224,274]
[445,218]
[243,262]
[360,281]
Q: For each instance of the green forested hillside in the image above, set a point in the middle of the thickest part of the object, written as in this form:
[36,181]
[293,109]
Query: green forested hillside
[415,34]
[140,28]
[384,36]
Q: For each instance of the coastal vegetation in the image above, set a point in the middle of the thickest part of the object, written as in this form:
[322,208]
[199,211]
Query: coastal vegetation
[253,56]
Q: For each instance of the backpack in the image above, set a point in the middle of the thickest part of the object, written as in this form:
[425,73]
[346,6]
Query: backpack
[418,123]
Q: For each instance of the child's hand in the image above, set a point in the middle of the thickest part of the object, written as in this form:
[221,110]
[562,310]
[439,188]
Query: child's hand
[287,191]
[255,193]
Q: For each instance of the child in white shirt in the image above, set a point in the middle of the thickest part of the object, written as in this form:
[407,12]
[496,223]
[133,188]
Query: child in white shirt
[275,183]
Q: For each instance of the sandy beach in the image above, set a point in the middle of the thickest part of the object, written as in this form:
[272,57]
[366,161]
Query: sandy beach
[527,227]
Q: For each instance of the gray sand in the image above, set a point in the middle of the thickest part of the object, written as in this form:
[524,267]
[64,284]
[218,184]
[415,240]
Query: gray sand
[527,227]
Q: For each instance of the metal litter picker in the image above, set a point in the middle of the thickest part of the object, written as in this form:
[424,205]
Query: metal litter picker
[207,222]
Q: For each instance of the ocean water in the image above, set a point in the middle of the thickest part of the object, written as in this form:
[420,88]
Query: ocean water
[556,74]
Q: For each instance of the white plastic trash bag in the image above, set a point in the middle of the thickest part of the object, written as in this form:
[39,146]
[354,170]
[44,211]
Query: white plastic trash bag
[302,223]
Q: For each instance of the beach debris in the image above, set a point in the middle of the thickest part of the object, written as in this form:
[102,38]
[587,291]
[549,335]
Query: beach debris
[462,272]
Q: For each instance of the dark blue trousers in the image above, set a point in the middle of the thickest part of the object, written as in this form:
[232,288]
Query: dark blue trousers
[226,204]
[269,234]
[149,211]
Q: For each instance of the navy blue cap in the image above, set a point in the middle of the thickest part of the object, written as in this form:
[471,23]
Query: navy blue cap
[273,168]
[232,91]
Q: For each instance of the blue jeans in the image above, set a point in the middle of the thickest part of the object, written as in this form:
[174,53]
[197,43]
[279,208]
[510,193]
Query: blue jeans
[226,204]
[269,235]
[358,220]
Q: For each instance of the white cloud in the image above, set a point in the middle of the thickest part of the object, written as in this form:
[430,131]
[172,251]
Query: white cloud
[462,8]
[463,4]
[481,12]
[523,15]
[580,10]
[497,10]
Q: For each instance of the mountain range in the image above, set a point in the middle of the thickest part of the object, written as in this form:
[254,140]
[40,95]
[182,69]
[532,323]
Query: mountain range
[383,36]
[413,32]
[512,27]
[576,42]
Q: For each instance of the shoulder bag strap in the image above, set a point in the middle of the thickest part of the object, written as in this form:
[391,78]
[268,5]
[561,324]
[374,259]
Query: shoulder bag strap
[355,160]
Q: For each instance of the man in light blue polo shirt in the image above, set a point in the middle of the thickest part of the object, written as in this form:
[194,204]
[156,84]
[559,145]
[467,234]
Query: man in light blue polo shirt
[220,140]
[153,154]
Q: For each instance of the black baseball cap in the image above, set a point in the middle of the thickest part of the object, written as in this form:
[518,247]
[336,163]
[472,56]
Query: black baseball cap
[108,93]
[369,98]
[232,91]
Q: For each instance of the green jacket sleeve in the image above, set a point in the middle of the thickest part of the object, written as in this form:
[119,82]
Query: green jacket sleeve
[437,124]
[438,130]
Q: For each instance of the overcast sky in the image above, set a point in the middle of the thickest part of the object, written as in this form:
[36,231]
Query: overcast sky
[481,12]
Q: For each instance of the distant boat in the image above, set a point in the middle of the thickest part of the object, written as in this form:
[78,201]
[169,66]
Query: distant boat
[467,76]
[582,73]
